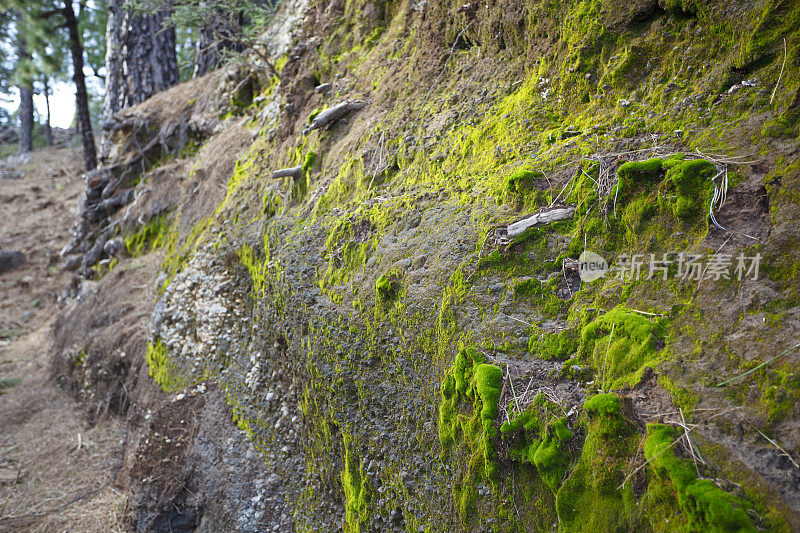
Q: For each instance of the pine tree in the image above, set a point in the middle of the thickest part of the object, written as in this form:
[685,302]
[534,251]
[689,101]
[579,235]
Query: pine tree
[39,21]
[50,61]
[141,58]
[223,28]
[24,79]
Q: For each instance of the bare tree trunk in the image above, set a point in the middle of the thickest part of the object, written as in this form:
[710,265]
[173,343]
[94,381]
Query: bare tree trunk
[141,59]
[48,131]
[81,96]
[216,35]
[25,93]
[206,56]
[113,60]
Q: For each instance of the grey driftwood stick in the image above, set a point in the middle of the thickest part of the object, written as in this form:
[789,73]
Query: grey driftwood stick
[294,172]
[547,216]
[334,113]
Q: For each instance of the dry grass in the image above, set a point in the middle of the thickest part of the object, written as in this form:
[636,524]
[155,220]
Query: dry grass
[55,473]
[62,472]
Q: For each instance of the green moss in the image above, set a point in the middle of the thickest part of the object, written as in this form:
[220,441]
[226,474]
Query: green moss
[592,498]
[356,493]
[529,287]
[103,269]
[149,237]
[467,425]
[176,254]
[683,397]
[308,161]
[620,344]
[9,383]
[680,7]
[314,114]
[603,404]
[255,266]
[514,125]
[637,213]
[551,460]
[704,506]
[387,287]
[160,368]
[638,175]
[520,189]
[692,182]
[374,36]
[80,358]
[487,382]
[554,346]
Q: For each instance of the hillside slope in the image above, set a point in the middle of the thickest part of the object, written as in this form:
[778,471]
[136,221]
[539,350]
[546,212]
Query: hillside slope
[399,353]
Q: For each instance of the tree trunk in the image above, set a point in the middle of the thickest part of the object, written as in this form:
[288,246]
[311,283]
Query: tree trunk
[206,57]
[141,59]
[113,60]
[81,97]
[217,34]
[48,131]
[25,92]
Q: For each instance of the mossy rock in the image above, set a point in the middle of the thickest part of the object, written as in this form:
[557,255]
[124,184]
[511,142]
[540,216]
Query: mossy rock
[593,498]
[387,287]
[468,426]
[704,506]
[621,344]
[693,184]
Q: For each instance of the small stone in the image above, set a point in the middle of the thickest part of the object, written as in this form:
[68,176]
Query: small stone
[496,288]
[10,260]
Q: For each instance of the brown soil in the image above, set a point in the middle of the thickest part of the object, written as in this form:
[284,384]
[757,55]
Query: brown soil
[55,473]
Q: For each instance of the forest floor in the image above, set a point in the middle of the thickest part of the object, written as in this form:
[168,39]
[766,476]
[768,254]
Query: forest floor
[56,473]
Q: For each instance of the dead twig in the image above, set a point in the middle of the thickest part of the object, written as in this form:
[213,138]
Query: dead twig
[765,363]
[770,440]
[781,74]
[670,445]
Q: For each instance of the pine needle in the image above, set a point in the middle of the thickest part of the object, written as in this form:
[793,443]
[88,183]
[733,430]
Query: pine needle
[781,74]
[768,361]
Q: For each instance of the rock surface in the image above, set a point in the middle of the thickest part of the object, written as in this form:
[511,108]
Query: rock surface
[349,349]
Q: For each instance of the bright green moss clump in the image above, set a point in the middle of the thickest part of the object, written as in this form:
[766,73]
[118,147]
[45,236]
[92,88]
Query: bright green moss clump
[592,498]
[387,287]
[531,440]
[149,237]
[308,161]
[603,404]
[488,380]
[620,344]
[467,426]
[637,175]
[686,189]
[255,267]
[552,456]
[704,506]
[693,185]
[160,368]
[520,188]
[356,493]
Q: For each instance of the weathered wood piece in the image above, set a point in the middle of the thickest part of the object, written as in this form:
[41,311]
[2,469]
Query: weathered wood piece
[334,113]
[547,216]
[293,172]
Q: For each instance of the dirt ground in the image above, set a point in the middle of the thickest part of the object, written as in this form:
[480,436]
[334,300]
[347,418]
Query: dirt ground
[55,472]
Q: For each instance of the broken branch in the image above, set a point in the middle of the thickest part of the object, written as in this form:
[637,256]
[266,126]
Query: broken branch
[507,234]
